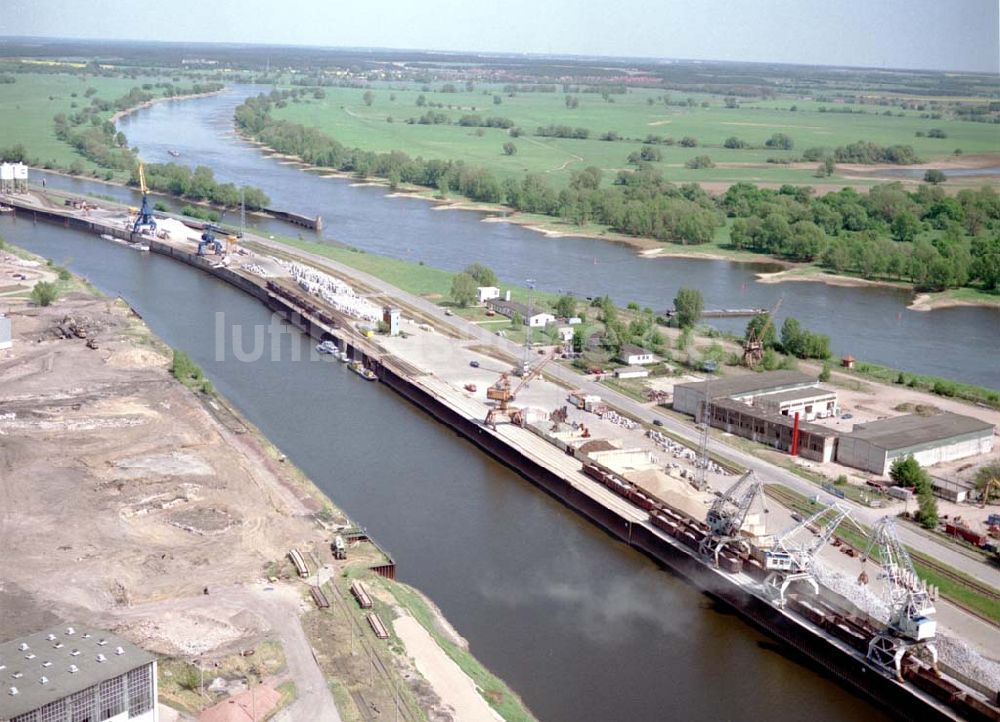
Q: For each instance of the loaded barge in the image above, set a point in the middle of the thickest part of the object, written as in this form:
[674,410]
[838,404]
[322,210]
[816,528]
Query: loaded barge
[832,636]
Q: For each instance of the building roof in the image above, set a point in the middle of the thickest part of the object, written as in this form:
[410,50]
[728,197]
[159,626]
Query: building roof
[517,306]
[800,394]
[752,383]
[629,349]
[23,667]
[905,432]
[775,418]
[632,370]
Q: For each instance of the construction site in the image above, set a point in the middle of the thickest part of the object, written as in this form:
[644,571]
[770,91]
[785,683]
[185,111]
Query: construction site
[832,582]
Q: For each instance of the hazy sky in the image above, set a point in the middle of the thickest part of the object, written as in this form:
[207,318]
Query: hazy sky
[932,34]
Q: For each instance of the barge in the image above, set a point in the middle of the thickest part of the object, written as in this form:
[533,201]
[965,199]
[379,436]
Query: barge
[831,637]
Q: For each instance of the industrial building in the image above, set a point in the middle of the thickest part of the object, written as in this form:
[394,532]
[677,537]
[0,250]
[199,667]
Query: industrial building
[75,674]
[814,402]
[690,398]
[873,446]
[772,429]
[532,317]
[631,372]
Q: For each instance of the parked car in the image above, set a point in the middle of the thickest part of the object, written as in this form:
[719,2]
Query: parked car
[474,364]
[657,422]
[449,312]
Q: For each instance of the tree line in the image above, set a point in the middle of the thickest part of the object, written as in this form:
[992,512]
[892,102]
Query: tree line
[925,236]
[198,185]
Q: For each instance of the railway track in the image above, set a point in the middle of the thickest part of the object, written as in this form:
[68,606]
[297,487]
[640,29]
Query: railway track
[794,501]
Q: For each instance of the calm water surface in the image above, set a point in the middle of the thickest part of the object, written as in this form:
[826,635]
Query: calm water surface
[583,628]
[873,324]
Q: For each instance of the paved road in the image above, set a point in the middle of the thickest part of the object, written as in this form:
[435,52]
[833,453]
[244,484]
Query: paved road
[647,413]
[770,473]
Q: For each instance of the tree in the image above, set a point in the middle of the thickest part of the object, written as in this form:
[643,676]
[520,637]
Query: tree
[509,148]
[463,289]
[734,143]
[44,293]
[689,305]
[566,306]
[905,227]
[368,97]
[935,176]
[483,275]
[689,141]
[517,320]
[927,508]
[780,141]
[906,471]
[824,374]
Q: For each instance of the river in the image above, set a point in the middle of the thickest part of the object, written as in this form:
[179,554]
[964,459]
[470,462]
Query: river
[873,324]
[584,628]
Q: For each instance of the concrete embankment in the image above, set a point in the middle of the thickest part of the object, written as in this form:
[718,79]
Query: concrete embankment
[624,521]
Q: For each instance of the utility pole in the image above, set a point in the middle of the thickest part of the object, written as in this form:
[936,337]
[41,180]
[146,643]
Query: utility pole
[527,334]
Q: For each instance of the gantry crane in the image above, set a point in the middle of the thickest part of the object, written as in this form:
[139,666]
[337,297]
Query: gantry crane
[911,628]
[144,220]
[793,556]
[503,394]
[728,514]
[753,346]
[208,239]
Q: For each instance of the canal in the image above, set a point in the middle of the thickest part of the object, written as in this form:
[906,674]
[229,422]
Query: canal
[873,324]
[584,628]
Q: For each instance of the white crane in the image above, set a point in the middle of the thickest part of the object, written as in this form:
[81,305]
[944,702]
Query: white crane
[728,514]
[911,627]
[793,556]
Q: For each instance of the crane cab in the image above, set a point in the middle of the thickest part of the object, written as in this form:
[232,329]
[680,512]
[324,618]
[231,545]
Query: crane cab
[777,560]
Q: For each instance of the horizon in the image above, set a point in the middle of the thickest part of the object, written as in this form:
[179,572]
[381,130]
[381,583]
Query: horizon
[962,37]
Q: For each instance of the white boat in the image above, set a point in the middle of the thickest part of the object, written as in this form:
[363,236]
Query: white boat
[328,347]
[108,237]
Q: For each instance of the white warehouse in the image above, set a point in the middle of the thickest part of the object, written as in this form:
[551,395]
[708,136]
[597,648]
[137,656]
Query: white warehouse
[928,439]
[68,674]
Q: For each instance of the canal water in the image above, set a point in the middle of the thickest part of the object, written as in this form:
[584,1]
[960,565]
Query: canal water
[871,323]
[585,629]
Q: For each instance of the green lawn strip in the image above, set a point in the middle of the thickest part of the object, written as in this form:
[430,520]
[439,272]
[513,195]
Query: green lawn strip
[959,592]
[500,697]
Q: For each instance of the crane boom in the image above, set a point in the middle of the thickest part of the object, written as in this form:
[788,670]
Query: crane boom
[911,626]
[144,220]
[728,514]
[793,556]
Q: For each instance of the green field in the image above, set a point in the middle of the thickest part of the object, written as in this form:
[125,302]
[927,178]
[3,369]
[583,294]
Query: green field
[343,115]
[30,104]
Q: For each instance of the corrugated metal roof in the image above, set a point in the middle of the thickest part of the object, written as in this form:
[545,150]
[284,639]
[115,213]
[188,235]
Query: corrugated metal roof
[752,383]
[903,432]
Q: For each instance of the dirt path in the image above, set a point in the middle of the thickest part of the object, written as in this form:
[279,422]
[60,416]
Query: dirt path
[454,687]
[278,608]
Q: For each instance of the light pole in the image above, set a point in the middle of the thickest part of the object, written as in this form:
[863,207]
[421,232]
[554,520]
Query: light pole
[527,334]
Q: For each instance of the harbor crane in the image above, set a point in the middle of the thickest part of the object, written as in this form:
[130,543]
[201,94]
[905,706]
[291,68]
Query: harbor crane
[912,627]
[144,220]
[793,556]
[208,239]
[729,513]
[502,393]
[753,346]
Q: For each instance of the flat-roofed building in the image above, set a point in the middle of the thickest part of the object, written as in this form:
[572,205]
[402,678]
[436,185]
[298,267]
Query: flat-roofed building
[775,430]
[814,402]
[873,446]
[689,398]
[72,674]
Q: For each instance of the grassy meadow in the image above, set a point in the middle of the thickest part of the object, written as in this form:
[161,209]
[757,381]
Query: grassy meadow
[344,115]
[30,103]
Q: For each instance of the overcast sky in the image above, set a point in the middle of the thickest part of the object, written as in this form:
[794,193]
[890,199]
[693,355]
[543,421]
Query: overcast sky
[929,34]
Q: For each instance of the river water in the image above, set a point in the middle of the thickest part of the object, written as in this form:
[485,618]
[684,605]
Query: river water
[585,629]
[871,323]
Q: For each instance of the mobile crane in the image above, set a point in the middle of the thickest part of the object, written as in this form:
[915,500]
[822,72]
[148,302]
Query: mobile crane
[911,628]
